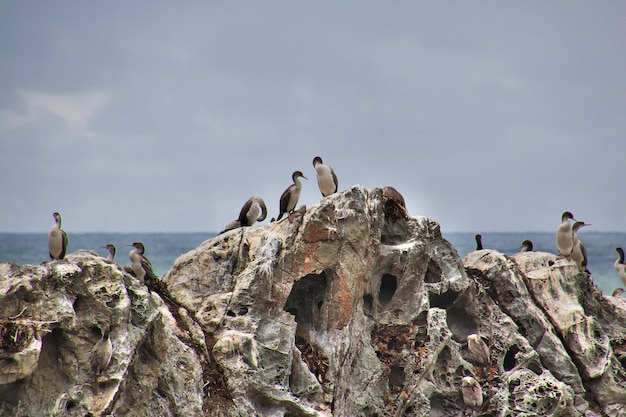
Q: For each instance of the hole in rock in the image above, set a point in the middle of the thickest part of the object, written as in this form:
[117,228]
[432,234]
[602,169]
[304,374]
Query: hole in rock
[388,286]
[444,300]
[421,325]
[396,377]
[509,359]
[535,367]
[433,273]
[305,299]
[368,302]
[237,311]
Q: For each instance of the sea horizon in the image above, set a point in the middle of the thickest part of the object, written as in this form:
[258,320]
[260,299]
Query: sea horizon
[162,248]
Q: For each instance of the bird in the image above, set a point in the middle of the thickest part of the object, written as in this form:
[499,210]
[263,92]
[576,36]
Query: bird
[290,196]
[326,177]
[579,253]
[527,246]
[57,239]
[620,266]
[141,266]
[479,242]
[564,236]
[392,193]
[254,210]
[477,349]
[101,353]
[112,250]
[617,292]
[472,392]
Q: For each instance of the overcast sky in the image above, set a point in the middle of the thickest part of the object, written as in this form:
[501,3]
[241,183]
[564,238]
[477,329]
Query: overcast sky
[138,117]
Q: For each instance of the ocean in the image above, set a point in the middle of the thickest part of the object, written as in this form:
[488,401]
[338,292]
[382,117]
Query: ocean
[163,248]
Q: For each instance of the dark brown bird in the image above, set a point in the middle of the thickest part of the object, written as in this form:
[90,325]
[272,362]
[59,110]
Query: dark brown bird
[477,349]
[101,354]
[112,250]
[57,239]
[290,196]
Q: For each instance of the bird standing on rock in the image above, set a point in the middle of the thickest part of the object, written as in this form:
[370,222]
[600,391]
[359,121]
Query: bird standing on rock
[479,242]
[620,266]
[254,210]
[472,392]
[477,349]
[101,353]
[565,236]
[141,266]
[326,177]
[112,250]
[57,239]
[527,246]
[290,196]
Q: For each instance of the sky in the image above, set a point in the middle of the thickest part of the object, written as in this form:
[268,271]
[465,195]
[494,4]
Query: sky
[142,117]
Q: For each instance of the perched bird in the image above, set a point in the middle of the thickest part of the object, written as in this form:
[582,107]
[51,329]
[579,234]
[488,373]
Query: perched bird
[564,236]
[57,239]
[472,392]
[620,266]
[253,210]
[290,196]
[326,177]
[527,246]
[390,192]
[101,353]
[141,266]
[477,349]
[112,250]
[579,253]
[479,242]
[617,292]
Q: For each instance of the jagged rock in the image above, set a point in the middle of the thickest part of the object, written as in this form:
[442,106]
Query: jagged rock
[351,309]
[64,304]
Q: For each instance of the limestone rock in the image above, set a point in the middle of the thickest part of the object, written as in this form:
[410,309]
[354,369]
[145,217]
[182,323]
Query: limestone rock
[52,315]
[351,309]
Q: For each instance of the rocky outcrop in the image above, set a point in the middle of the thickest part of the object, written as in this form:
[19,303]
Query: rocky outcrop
[351,309]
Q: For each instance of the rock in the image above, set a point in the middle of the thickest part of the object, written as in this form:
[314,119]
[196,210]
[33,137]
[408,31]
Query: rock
[352,309]
[60,308]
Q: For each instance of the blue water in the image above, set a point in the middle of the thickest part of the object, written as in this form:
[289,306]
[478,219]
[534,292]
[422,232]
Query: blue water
[163,248]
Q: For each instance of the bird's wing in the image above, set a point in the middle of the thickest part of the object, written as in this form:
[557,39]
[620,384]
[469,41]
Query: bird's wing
[147,266]
[335,180]
[64,242]
[284,201]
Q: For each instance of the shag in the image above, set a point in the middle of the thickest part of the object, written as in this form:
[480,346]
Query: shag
[579,253]
[390,192]
[230,226]
[253,210]
[472,392]
[112,250]
[57,239]
[527,246]
[142,267]
[617,292]
[565,236]
[479,242]
[620,266]
[477,349]
[290,196]
[326,177]
[101,353]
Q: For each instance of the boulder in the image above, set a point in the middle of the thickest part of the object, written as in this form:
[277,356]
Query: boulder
[350,308]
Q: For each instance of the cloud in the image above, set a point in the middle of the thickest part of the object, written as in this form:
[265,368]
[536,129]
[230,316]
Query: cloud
[76,110]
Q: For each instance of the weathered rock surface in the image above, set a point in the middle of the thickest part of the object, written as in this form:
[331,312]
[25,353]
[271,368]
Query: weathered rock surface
[352,309]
